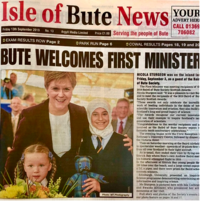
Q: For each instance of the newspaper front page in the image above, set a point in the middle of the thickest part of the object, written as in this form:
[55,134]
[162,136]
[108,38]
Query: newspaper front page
[144,51]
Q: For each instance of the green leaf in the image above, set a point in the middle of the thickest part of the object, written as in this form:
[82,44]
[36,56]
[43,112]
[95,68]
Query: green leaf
[21,182]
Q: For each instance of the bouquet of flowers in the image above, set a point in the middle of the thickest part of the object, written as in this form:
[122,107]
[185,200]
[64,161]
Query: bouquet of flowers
[22,189]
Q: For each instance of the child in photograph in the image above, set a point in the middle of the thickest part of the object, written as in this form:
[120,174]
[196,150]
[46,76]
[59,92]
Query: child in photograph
[57,123]
[37,164]
[110,157]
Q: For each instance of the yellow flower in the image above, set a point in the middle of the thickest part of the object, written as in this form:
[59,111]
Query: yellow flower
[12,192]
[59,195]
[41,194]
[3,194]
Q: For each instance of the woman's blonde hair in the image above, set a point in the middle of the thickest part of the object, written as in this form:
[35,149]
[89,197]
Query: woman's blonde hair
[56,75]
[35,148]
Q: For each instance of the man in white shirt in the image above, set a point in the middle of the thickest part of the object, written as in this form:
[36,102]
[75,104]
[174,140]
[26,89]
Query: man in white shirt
[16,109]
[123,124]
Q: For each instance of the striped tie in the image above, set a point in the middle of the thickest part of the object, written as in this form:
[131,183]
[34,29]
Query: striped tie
[99,146]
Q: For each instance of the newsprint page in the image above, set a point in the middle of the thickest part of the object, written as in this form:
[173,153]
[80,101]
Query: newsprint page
[99,99]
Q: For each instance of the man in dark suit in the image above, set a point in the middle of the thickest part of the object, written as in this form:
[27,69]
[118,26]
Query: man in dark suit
[6,137]
[123,124]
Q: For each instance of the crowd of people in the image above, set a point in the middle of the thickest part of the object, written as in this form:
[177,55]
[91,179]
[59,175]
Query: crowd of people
[66,130]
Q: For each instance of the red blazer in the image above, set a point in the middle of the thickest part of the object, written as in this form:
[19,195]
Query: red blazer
[34,127]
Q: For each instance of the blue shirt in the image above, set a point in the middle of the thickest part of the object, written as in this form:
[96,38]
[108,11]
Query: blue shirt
[20,90]
[4,96]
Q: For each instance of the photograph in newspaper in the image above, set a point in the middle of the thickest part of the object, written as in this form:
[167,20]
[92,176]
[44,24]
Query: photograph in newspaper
[107,69]
[52,107]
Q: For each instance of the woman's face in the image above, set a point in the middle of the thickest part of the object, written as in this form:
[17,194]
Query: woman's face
[100,118]
[60,93]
